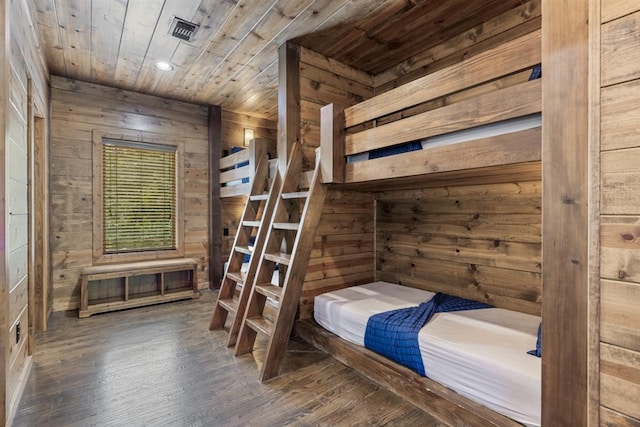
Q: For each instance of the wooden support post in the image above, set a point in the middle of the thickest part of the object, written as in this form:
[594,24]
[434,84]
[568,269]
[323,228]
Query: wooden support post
[215,210]
[332,143]
[565,232]
[288,101]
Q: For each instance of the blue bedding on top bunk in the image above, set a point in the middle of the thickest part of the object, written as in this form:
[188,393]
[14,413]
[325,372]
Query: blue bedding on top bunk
[237,150]
[396,149]
[536,73]
[394,333]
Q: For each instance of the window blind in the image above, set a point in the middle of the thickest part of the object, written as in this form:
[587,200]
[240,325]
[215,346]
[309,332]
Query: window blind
[139,197]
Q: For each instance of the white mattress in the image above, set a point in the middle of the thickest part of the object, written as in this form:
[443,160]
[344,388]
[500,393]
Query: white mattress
[481,354]
[345,312]
[483,131]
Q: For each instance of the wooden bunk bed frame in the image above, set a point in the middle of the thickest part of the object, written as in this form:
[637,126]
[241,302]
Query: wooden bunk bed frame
[242,165]
[353,130]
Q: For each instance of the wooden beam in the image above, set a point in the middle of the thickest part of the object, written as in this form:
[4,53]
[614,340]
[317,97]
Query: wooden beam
[447,406]
[499,150]
[505,59]
[288,101]
[332,143]
[565,234]
[215,209]
[515,101]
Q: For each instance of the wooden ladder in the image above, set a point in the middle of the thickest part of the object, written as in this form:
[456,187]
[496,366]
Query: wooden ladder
[255,216]
[289,242]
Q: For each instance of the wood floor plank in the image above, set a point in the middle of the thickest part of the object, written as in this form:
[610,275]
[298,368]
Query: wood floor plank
[161,365]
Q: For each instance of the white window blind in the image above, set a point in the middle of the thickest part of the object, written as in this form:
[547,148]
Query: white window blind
[139,197]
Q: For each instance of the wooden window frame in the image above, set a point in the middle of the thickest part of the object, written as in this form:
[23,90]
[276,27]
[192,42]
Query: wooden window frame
[99,257]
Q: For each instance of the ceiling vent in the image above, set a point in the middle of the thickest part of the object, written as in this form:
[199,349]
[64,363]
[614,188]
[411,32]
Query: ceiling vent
[184,30]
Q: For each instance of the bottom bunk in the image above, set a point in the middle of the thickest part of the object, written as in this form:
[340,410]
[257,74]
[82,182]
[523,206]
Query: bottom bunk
[474,359]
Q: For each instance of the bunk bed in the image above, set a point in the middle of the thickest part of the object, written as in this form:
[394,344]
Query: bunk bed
[476,121]
[475,117]
[238,166]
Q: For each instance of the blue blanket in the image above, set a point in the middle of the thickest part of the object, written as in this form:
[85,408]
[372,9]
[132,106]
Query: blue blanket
[394,334]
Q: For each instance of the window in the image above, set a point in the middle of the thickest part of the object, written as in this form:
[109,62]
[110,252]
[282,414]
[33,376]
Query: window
[139,201]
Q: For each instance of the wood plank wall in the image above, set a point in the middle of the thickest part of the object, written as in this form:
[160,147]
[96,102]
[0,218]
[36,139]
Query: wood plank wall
[343,250]
[511,234]
[77,110]
[495,31]
[24,79]
[619,85]
[324,81]
[233,125]
[477,241]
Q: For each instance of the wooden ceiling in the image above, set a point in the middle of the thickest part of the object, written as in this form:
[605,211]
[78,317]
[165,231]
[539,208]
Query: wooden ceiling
[232,61]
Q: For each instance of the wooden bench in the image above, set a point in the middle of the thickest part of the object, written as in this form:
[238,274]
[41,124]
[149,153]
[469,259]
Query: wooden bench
[107,288]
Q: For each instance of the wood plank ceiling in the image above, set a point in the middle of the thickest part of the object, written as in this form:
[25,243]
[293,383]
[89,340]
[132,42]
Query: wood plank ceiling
[232,60]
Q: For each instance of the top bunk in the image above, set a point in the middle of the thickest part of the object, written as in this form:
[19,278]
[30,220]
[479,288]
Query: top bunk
[238,168]
[479,117]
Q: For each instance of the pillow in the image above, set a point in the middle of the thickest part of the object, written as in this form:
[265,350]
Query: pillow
[538,351]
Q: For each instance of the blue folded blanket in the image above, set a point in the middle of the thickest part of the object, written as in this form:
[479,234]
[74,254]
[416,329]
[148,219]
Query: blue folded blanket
[394,333]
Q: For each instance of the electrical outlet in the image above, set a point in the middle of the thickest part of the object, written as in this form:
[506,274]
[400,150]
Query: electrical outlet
[18,333]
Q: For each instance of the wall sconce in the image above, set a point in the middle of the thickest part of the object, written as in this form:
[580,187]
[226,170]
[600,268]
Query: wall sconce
[248,136]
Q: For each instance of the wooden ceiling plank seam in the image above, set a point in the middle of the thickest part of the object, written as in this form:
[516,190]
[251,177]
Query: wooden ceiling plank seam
[442,22]
[74,18]
[138,29]
[339,29]
[243,20]
[480,32]
[211,15]
[275,24]
[468,52]
[51,37]
[229,16]
[371,44]
[253,81]
[264,59]
[372,28]
[452,31]
[162,42]
[107,21]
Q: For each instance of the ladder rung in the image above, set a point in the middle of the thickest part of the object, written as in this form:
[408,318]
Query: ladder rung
[297,195]
[286,225]
[269,291]
[251,223]
[244,250]
[281,257]
[230,305]
[257,197]
[236,276]
[260,324]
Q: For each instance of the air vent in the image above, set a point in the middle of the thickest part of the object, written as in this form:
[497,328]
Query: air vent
[184,30]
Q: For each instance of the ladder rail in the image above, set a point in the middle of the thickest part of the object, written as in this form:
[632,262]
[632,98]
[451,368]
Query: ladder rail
[300,243]
[223,308]
[294,279]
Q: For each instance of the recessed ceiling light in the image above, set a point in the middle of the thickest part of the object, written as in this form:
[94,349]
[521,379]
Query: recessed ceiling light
[164,66]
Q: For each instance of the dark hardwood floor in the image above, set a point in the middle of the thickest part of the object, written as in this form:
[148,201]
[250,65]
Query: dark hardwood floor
[161,366]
